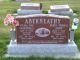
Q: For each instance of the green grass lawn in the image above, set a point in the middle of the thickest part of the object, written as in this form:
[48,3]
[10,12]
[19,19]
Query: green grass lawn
[7,6]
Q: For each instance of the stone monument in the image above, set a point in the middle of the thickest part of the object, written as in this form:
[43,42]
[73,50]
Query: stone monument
[42,35]
[30,8]
[42,30]
[22,0]
[61,10]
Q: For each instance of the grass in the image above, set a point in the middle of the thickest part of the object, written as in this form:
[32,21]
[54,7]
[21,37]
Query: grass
[36,58]
[7,6]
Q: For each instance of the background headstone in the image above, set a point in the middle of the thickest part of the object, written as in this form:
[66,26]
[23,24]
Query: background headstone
[22,0]
[61,10]
[30,8]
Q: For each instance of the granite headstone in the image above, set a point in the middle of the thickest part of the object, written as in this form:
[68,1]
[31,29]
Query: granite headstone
[43,35]
[42,29]
[30,8]
[22,0]
[61,10]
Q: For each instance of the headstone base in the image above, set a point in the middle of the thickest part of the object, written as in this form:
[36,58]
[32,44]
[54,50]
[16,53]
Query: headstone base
[28,12]
[42,50]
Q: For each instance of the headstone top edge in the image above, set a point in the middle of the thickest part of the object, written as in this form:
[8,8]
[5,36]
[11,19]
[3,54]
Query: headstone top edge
[43,15]
[30,4]
[60,6]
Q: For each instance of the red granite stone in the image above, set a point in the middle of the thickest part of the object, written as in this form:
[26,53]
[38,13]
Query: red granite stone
[42,29]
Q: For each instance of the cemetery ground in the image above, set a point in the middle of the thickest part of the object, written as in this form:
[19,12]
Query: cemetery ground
[11,7]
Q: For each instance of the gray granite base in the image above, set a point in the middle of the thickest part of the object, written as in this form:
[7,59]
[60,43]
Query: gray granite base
[28,12]
[42,50]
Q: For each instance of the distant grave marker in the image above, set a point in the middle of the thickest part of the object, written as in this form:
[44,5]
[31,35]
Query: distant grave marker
[30,8]
[22,0]
[61,10]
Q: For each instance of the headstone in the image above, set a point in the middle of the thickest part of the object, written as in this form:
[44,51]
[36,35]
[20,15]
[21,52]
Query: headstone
[61,10]
[42,35]
[42,29]
[30,8]
[22,0]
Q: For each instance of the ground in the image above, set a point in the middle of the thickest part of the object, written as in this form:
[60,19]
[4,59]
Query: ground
[7,6]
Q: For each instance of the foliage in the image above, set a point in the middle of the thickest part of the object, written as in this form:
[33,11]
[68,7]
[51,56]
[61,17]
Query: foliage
[45,11]
[13,0]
